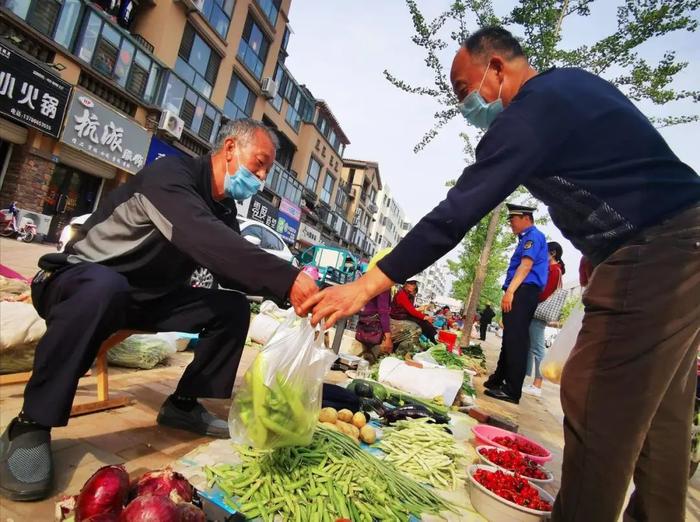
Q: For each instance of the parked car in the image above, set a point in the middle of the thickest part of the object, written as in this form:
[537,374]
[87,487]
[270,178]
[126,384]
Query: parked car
[254,231]
[258,234]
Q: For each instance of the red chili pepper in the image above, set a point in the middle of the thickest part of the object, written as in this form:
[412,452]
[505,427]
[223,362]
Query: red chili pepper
[520,445]
[512,488]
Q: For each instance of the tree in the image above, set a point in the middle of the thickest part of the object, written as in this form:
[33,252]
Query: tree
[539,24]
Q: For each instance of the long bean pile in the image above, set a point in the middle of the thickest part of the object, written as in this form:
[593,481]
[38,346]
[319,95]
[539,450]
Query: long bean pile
[330,479]
[425,452]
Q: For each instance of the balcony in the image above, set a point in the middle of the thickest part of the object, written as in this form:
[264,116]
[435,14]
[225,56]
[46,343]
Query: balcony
[283,183]
[372,207]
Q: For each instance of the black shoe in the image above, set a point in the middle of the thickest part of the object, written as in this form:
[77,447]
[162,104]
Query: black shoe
[26,465]
[498,393]
[197,420]
[491,384]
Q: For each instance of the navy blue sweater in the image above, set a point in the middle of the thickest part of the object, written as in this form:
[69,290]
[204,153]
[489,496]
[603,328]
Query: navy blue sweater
[580,146]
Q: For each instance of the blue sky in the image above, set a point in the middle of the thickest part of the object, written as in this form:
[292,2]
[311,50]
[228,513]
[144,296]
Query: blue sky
[340,48]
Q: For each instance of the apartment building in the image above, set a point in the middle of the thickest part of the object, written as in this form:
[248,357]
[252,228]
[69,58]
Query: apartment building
[90,92]
[433,282]
[390,225]
[363,183]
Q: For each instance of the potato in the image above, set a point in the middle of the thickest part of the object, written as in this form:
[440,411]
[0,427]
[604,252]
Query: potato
[345,415]
[354,431]
[328,415]
[348,429]
[330,425]
[359,419]
[368,435]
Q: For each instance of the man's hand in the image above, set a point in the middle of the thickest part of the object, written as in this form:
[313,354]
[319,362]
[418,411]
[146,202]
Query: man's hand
[336,302]
[303,288]
[507,302]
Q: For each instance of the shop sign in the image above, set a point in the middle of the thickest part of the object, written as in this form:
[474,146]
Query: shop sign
[262,210]
[309,235]
[288,220]
[160,149]
[30,95]
[95,129]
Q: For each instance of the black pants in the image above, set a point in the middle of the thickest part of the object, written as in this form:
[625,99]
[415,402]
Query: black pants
[86,303]
[482,329]
[512,362]
[426,328]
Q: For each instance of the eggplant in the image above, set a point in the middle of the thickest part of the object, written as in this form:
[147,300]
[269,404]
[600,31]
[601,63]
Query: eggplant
[372,404]
[413,412]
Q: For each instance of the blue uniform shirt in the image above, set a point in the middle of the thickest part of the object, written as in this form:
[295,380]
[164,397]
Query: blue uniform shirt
[532,244]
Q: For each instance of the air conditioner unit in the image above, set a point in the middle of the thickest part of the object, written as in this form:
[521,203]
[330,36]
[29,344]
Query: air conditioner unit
[269,88]
[171,123]
[193,5]
[353,193]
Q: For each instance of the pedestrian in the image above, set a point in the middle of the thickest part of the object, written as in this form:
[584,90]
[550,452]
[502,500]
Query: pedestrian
[129,268]
[537,326]
[485,319]
[402,309]
[525,279]
[624,199]
[374,323]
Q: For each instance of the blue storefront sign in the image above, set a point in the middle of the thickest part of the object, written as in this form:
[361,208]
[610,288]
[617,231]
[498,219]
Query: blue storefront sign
[160,149]
[288,218]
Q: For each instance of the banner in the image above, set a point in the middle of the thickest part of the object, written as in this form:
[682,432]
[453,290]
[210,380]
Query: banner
[288,219]
[263,211]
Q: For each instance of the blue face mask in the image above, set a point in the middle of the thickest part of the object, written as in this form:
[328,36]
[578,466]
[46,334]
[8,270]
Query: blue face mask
[477,111]
[243,184]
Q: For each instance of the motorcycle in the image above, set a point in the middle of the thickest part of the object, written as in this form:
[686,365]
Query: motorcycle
[11,227]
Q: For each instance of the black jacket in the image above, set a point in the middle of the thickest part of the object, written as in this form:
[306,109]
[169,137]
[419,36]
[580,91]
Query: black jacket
[157,227]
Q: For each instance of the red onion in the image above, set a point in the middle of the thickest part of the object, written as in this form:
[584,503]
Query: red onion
[150,508]
[190,513]
[165,482]
[104,492]
[104,517]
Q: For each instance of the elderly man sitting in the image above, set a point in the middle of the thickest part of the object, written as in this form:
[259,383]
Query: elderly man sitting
[129,268]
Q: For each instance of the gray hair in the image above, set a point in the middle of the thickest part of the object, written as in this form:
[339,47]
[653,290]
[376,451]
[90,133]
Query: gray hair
[243,131]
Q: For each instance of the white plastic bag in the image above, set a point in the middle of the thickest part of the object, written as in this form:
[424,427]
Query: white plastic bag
[553,363]
[425,383]
[280,399]
[266,322]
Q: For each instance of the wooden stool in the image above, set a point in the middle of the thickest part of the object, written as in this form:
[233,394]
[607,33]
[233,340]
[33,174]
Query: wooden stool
[103,401]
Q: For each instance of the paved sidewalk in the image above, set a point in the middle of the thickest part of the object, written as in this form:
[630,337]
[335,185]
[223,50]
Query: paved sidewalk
[22,257]
[541,419]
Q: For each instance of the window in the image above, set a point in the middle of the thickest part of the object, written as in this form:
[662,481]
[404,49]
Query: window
[271,8]
[281,80]
[218,13]
[116,56]
[328,185]
[197,63]
[239,100]
[283,184]
[199,115]
[341,200]
[254,231]
[271,241]
[312,175]
[39,14]
[253,48]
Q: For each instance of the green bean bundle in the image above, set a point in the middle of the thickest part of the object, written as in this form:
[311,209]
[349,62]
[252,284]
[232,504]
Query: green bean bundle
[330,479]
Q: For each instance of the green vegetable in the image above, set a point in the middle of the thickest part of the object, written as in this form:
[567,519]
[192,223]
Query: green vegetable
[396,397]
[331,478]
[425,452]
[273,416]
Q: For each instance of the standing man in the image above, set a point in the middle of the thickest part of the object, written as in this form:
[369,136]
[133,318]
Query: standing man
[485,319]
[622,197]
[129,268]
[525,279]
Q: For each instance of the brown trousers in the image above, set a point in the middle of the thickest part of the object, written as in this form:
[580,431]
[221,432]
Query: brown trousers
[628,387]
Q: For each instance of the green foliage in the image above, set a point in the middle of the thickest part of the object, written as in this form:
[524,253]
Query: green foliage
[571,304]
[539,25]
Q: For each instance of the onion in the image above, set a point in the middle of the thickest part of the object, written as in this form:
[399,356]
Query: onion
[104,492]
[150,508]
[103,517]
[165,482]
[190,513]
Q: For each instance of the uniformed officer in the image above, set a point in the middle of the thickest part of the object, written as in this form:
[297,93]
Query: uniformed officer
[527,275]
